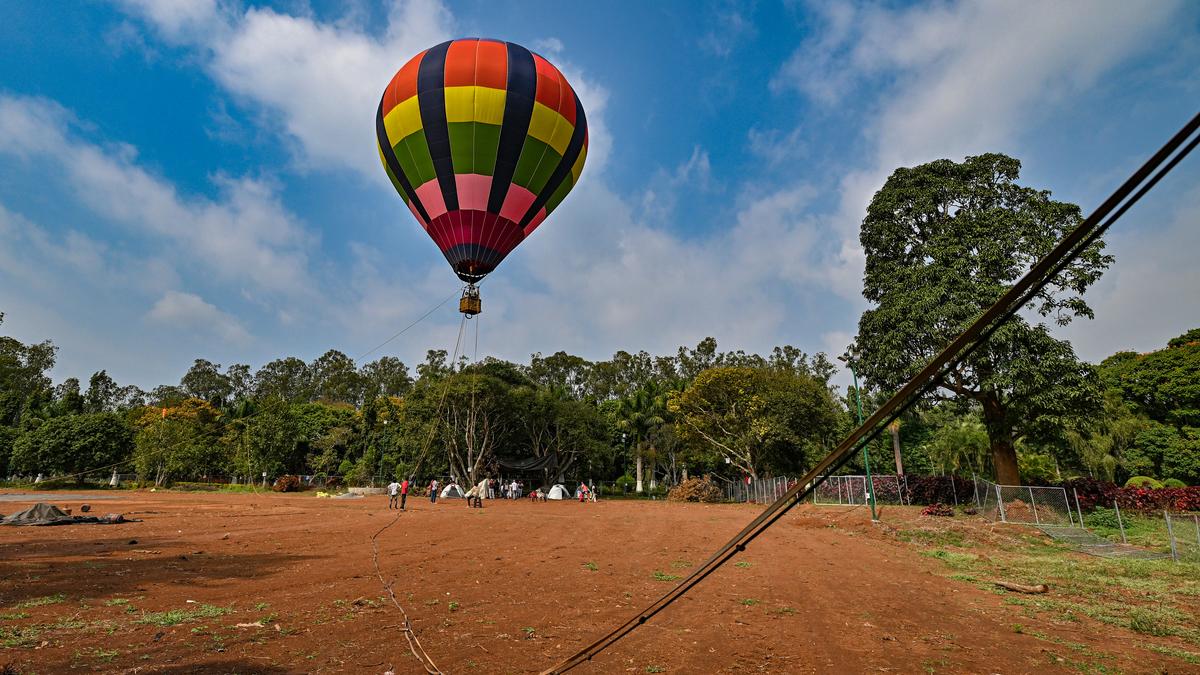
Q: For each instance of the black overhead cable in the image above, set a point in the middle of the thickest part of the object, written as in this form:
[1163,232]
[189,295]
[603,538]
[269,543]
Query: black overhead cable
[1024,290]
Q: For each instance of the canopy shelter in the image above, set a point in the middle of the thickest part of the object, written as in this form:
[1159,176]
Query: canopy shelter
[549,469]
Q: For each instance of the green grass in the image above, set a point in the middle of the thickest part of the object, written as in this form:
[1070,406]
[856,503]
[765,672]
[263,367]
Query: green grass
[742,564]
[1150,532]
[175,617]
[749,602]
[18,637]
[934,537]
[591,566]
[13,616]
[115,602]
[1189,657]
[659,575]
[1148,597]
[39,602]
[680,564]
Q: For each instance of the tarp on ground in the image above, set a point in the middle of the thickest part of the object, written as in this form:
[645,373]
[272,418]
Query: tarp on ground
[48,514]
[452,491]
[558,492]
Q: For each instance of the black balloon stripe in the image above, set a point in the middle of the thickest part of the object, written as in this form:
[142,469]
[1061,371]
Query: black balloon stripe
[389,156]
[518,110]
[563,168]
[431,97]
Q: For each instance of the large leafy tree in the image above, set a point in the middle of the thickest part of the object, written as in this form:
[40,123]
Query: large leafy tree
[73,444]
[943,241]
[758,420]
[24,384]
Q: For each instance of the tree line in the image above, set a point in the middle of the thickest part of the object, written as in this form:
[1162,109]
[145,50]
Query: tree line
[942,241]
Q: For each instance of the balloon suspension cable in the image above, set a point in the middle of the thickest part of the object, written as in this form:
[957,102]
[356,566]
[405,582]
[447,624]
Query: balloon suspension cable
[470,304]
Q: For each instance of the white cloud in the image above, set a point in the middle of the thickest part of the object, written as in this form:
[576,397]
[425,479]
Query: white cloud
[1150,294]
[548,46]
[956,79]
[245,236]
[692,176]
[320,82]
[189,312]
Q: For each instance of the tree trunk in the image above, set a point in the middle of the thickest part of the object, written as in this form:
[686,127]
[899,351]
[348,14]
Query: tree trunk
[639,470]
[894,427]
[1000,434]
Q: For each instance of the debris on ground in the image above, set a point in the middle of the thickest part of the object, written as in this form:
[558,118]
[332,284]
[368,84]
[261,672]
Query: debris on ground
[48,514]
[696,490]
[1022,588]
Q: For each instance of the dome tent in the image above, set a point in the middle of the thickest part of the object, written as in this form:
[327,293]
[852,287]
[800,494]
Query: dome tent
[559,492]
[452,491]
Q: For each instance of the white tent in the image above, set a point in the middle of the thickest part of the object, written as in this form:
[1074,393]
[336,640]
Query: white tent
[452,491]
[558,492]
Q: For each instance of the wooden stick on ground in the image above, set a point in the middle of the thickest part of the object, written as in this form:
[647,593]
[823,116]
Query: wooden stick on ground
[1022,588]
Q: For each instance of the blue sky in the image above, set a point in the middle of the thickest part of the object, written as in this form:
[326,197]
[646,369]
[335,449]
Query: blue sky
[199,179]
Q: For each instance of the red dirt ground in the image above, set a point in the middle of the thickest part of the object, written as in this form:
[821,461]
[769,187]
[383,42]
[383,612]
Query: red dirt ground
[506,589]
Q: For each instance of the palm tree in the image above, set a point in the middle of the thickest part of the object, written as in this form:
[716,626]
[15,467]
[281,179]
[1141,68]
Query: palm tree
[640,413]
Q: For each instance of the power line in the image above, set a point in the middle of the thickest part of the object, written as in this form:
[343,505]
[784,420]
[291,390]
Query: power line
[1037,278]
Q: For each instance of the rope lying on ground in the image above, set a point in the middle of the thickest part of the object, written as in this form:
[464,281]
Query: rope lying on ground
[414,644]
[1040,275]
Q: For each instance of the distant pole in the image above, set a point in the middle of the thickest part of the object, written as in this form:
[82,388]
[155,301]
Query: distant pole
[1171,536]
[845,358]
[1120,523]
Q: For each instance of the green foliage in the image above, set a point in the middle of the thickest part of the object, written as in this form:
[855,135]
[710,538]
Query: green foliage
[1143,482]
[1037,468]
[759,420]
[1102,517]
[1164,385]
[943,241]
[182,443]
[65,445]
[1173,483]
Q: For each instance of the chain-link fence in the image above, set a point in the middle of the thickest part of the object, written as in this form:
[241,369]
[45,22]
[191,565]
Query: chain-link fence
[758,491]
[852,490]
[1025,504]
[1183,530]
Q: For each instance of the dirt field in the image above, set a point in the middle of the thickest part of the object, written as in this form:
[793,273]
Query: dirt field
[507,589]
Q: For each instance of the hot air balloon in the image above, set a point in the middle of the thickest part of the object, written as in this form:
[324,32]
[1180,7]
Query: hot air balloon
[483,139]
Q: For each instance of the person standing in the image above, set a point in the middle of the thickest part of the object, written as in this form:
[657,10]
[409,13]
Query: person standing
[393,489]
[433,491]
[403,493]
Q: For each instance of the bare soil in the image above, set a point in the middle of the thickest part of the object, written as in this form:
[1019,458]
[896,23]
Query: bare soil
[511,588]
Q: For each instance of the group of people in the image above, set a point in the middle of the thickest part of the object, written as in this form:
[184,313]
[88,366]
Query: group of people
[488,488]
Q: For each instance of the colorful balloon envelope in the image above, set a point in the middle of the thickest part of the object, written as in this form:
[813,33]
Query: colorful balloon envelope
[483,139]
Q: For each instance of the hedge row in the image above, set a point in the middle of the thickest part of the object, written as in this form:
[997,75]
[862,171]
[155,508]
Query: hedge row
[1092,494]
[1097,493]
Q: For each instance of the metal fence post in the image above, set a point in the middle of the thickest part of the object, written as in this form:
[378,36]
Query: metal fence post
[1196,522]
[1077,509]
[1033,504]
[1120,522]
[1171,536]
[1000,502]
